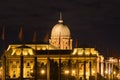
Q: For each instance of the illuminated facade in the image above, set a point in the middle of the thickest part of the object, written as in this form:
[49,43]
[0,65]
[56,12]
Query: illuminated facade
[54,61]
[112,68]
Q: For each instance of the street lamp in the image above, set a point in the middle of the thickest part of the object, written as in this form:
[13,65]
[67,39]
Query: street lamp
[93,72]
[106,72]
[114,73]
[42,72]
[73,72]
[31,72]
[0,74]
[66,73]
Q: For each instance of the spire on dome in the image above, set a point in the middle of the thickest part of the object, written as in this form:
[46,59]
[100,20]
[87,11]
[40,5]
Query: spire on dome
[60,20]
[60,16]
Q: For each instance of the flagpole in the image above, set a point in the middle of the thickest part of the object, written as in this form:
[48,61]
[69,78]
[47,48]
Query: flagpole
[3,51]
[3,39]
[34,37]
[35,57]
[20,36]
[46,38]
[76,44]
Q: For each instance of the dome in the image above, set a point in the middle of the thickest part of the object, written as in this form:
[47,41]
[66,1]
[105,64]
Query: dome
[60,30]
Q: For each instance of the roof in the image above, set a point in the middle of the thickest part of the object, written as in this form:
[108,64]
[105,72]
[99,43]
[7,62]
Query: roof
[53,52]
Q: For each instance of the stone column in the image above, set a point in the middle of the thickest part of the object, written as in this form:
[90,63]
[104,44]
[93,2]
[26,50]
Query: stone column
[59,75]
[48,69]
[84,70]
[35,67]
[4,67]
[77,69]
[21,67]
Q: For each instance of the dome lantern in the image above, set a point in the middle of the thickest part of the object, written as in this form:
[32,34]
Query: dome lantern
[60,20]
[60,29]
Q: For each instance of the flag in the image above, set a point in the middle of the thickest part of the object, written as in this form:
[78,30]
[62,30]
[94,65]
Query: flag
[46,39]
[34,36]
[3,38]
[76,44]
[3,33]
[21,34]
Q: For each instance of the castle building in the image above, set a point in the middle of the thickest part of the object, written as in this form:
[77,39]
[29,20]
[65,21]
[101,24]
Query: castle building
[56,60]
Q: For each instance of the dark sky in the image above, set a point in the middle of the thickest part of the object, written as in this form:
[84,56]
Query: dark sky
[93,22]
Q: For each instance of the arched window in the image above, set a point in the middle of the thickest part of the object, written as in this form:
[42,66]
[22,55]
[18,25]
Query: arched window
[28,73]
[28,64]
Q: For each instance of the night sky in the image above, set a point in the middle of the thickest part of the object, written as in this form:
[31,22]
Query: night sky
[93,22]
